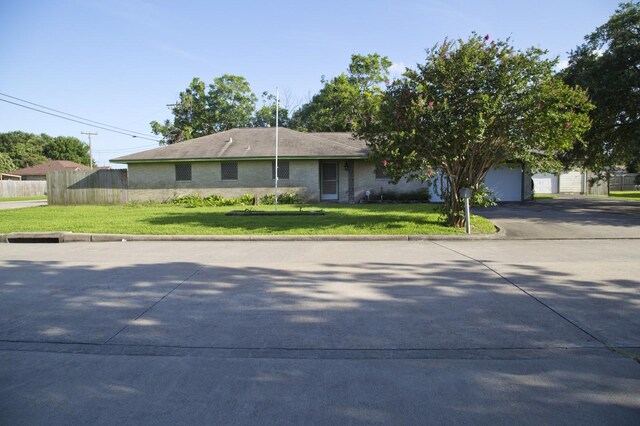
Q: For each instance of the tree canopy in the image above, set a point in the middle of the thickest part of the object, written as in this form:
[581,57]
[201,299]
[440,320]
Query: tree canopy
[6,163]
[474,104]
[266,115]
[228,103]
[202,109]
[23,149]
[66,148]
[608,66]
[345,99]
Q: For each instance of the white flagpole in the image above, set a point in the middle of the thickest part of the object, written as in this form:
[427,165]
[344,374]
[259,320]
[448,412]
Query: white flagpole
[276,199]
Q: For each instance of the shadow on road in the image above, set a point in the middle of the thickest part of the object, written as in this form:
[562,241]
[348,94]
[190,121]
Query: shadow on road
[461,316]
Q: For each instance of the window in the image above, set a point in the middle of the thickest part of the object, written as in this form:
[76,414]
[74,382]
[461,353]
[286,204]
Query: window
[229,170]
[283,169]
[183,171]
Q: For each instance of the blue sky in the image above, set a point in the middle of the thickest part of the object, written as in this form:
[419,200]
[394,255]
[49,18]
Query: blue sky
[120,62]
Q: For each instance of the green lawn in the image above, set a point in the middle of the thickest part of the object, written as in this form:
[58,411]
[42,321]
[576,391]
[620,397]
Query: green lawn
[626,195]
[166,219]
[38,197]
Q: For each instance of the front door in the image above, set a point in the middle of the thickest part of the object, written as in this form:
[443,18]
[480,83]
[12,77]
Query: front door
[328,181]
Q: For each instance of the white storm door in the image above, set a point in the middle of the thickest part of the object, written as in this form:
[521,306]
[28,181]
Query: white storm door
[329,181]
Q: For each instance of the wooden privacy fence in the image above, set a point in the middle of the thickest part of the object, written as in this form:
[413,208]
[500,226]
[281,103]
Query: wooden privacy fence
[22,188]
[87,187]
[623,182]
[599,187]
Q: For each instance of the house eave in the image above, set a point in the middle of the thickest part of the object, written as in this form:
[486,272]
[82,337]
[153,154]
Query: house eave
[220,159]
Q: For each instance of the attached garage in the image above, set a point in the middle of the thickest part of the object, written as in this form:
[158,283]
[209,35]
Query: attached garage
[506,183]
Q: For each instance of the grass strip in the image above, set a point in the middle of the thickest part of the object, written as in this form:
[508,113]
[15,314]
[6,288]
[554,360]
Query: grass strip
[625,195]
[163,219]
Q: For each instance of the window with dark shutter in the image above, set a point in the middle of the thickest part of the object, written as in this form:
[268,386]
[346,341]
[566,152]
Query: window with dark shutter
[183,171]
[283,169]
[229,170]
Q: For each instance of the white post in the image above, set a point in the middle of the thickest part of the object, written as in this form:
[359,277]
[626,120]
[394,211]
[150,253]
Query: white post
[276,199]
[465,193]
[467,215]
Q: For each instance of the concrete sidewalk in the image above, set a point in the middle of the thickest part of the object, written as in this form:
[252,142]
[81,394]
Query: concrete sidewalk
[9,205]
[371,332]
[71,237]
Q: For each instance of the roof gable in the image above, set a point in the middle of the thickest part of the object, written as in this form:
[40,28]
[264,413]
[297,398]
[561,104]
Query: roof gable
[256,143]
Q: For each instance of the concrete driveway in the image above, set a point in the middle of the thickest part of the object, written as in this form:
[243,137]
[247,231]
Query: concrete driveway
[6,205]
[567,217]
[456,332]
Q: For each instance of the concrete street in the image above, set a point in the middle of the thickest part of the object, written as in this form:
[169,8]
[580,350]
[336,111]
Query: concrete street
[368,332]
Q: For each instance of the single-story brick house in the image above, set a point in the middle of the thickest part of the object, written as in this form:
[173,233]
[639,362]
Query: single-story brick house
[317,166]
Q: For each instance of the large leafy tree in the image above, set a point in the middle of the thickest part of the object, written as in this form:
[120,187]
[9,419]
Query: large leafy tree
[473,105]
[6,163]
[24,149]
[203,109]
[27,149]
[608,66]
[66,148]
[346,99]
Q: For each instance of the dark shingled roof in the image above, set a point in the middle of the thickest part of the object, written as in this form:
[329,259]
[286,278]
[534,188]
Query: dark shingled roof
[256,143]
[50,166]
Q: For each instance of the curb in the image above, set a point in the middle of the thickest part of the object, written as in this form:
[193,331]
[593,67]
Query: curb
[71,237]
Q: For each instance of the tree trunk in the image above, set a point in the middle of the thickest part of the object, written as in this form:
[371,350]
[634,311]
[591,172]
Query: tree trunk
[454,206]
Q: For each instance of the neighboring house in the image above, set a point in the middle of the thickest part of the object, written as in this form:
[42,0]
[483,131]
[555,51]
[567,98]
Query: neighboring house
[316,166]
[40,171]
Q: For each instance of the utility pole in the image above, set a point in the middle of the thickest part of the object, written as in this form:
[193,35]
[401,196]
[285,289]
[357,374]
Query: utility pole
[276,165]
[90,155]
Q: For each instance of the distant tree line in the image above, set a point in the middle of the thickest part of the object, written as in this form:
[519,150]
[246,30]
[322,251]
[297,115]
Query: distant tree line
[20,149]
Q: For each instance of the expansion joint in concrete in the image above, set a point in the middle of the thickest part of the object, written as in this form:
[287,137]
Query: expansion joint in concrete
[153,304]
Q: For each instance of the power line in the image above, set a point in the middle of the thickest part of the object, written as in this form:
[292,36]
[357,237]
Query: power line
[71,115]
[126,149]
[86,122]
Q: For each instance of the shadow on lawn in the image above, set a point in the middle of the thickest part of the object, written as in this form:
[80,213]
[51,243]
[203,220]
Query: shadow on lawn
[371,306]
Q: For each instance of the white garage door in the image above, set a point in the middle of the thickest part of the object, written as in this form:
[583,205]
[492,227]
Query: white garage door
[545,183]
[571,182]
[505,183]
